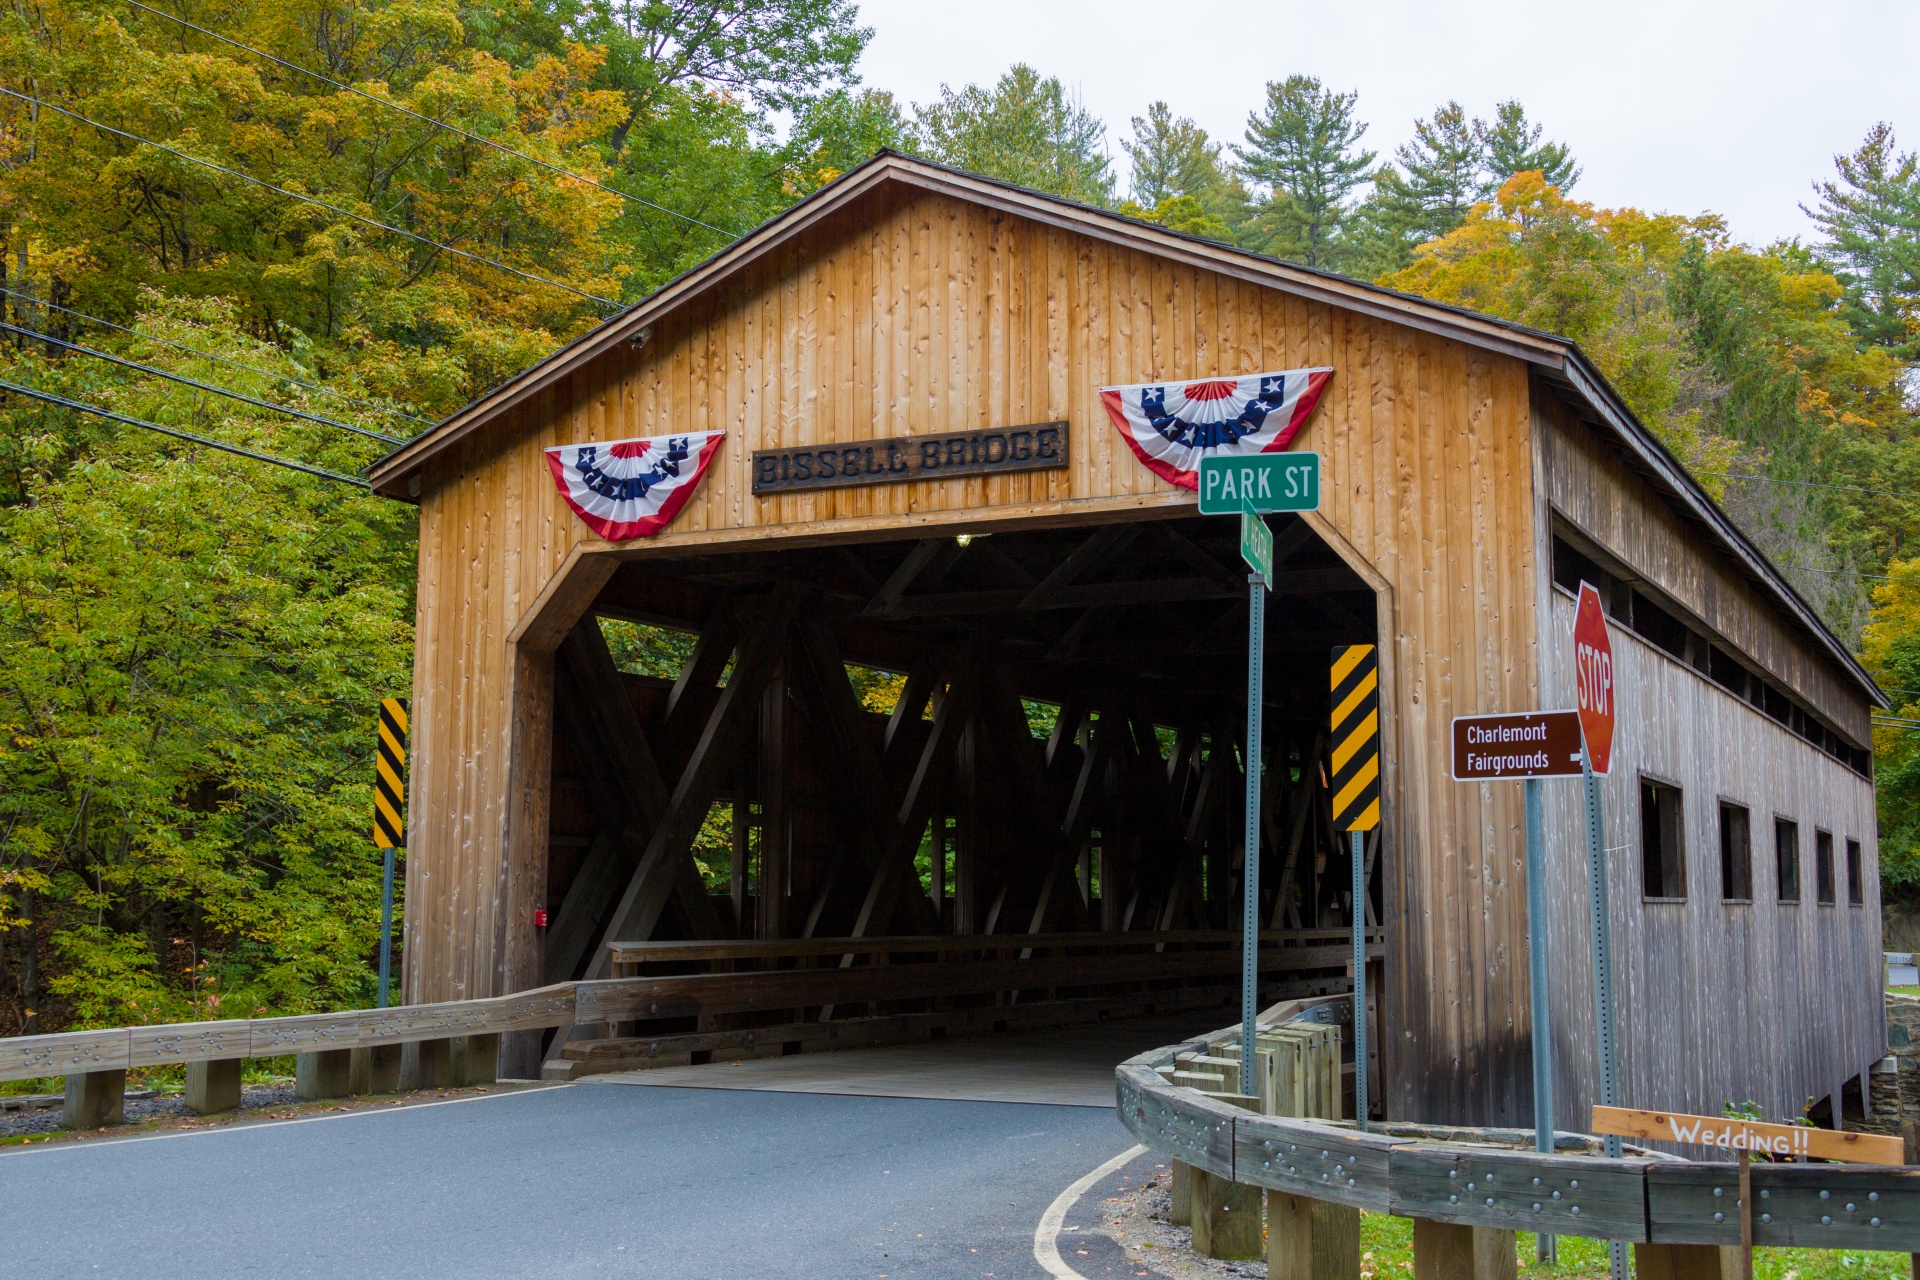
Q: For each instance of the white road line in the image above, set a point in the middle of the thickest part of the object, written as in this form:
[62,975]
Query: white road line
[252,1126]
[1046,1236]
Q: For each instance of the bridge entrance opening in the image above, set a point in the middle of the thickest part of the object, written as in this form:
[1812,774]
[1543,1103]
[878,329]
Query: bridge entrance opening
[905,791]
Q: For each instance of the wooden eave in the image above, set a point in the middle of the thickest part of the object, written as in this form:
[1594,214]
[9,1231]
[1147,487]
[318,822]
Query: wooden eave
[1558,360]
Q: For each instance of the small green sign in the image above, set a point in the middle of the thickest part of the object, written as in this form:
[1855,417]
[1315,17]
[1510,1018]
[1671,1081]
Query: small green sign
[1260,482]
[1256,545]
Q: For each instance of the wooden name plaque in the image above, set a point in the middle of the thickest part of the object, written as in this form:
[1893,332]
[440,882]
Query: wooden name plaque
[1041,446]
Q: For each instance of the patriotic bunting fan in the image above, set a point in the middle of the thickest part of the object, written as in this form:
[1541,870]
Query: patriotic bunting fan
[1172,425]
[632,488]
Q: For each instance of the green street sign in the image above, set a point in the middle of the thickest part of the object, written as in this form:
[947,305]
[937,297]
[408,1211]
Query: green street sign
[1256,545]
[1260,482]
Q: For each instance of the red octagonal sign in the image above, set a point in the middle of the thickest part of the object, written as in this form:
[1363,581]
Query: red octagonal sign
[1593,676]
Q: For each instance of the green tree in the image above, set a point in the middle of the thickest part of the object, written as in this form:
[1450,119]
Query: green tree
[1026,129]
[193,645]
[1743,362]
[1171,157]
[1871,216]
[1305,148]
[1439,175]
[1184,214]
[1510,145]
[840,130]
[1891,649]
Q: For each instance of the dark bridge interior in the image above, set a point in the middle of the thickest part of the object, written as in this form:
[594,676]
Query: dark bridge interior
[1022,733]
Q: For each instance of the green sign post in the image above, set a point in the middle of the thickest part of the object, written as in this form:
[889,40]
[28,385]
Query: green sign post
[1260,482]
[1249,487]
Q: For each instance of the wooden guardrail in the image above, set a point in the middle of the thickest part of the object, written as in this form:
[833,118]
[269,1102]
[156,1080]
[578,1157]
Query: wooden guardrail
[116,1048]
[1313,945]
[1457,1178]
[1054,960]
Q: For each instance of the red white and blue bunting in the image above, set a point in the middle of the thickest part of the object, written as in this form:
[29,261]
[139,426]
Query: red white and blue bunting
[632,488]
[1172,425]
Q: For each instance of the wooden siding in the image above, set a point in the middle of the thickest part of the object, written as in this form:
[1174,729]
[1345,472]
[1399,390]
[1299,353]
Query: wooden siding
[1714,1001]
[932,314]
[1594,490]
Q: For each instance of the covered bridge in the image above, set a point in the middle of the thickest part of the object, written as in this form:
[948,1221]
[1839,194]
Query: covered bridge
[1064,756]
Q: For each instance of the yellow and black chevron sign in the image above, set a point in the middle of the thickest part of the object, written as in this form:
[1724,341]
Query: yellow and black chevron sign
[1354,771]
[390,787]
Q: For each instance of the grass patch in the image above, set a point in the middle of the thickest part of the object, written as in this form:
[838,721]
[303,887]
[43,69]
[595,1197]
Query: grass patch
[1386,1252]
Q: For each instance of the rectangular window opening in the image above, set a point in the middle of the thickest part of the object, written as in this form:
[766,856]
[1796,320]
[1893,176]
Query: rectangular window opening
[1786,859]
[1736,854]
[1663,859]
[1823,867]
[1856,876]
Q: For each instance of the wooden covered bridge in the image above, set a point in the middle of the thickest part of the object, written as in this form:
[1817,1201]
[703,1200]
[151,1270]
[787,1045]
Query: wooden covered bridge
[918,476]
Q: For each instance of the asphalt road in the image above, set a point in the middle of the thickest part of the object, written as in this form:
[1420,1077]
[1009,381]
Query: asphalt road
[587,1180]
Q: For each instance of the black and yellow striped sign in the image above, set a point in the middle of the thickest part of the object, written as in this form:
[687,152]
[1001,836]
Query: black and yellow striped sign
[390,787]
[1354,771]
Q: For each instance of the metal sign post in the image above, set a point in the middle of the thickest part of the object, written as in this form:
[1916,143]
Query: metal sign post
[1593,684]
[1529,745]
[389,820]
[1248,486]
[1545,1247]
[1250,858]
[1353,777]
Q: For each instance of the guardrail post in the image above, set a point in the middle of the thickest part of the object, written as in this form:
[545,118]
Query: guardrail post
[1445,1251]
[1226,1217]
[213,1086]
[94,1099]
[374,1069]
[1311,1239]
[323,1073]
[479,1058]
[427,1064]
[1180,1197]
[1683,1261]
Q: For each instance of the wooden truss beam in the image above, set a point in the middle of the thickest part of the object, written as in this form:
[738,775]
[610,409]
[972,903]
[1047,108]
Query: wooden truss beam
[713,756]
[628,793]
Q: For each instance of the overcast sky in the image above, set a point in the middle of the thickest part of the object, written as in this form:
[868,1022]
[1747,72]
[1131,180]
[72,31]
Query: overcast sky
[1678,106]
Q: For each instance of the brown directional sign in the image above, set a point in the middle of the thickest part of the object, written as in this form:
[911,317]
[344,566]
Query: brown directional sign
[1734,1135]
[1527,744]
[1041,446]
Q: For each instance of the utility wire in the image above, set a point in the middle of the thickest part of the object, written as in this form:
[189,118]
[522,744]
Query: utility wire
[208,355]
[438,124]
[307,199]
[1809,484]
[202,386]
[1846,573]
[37,394]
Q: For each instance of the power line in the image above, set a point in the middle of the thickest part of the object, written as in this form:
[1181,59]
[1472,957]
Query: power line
[37,394]
[1809,484]
[438,124]
[1846,573]
[202,386]
[208,355]
[307,199]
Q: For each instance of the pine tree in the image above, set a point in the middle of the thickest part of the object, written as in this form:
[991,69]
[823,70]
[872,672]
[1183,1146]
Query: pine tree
[1171,157]
[1439,178]
[1510,145]
[1872,219]
[1025,129]
[1306,148]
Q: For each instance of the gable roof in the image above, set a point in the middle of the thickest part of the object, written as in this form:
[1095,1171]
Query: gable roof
[1556,359]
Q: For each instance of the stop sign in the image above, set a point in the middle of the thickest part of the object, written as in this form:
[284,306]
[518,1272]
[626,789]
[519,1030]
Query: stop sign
[1593,677]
